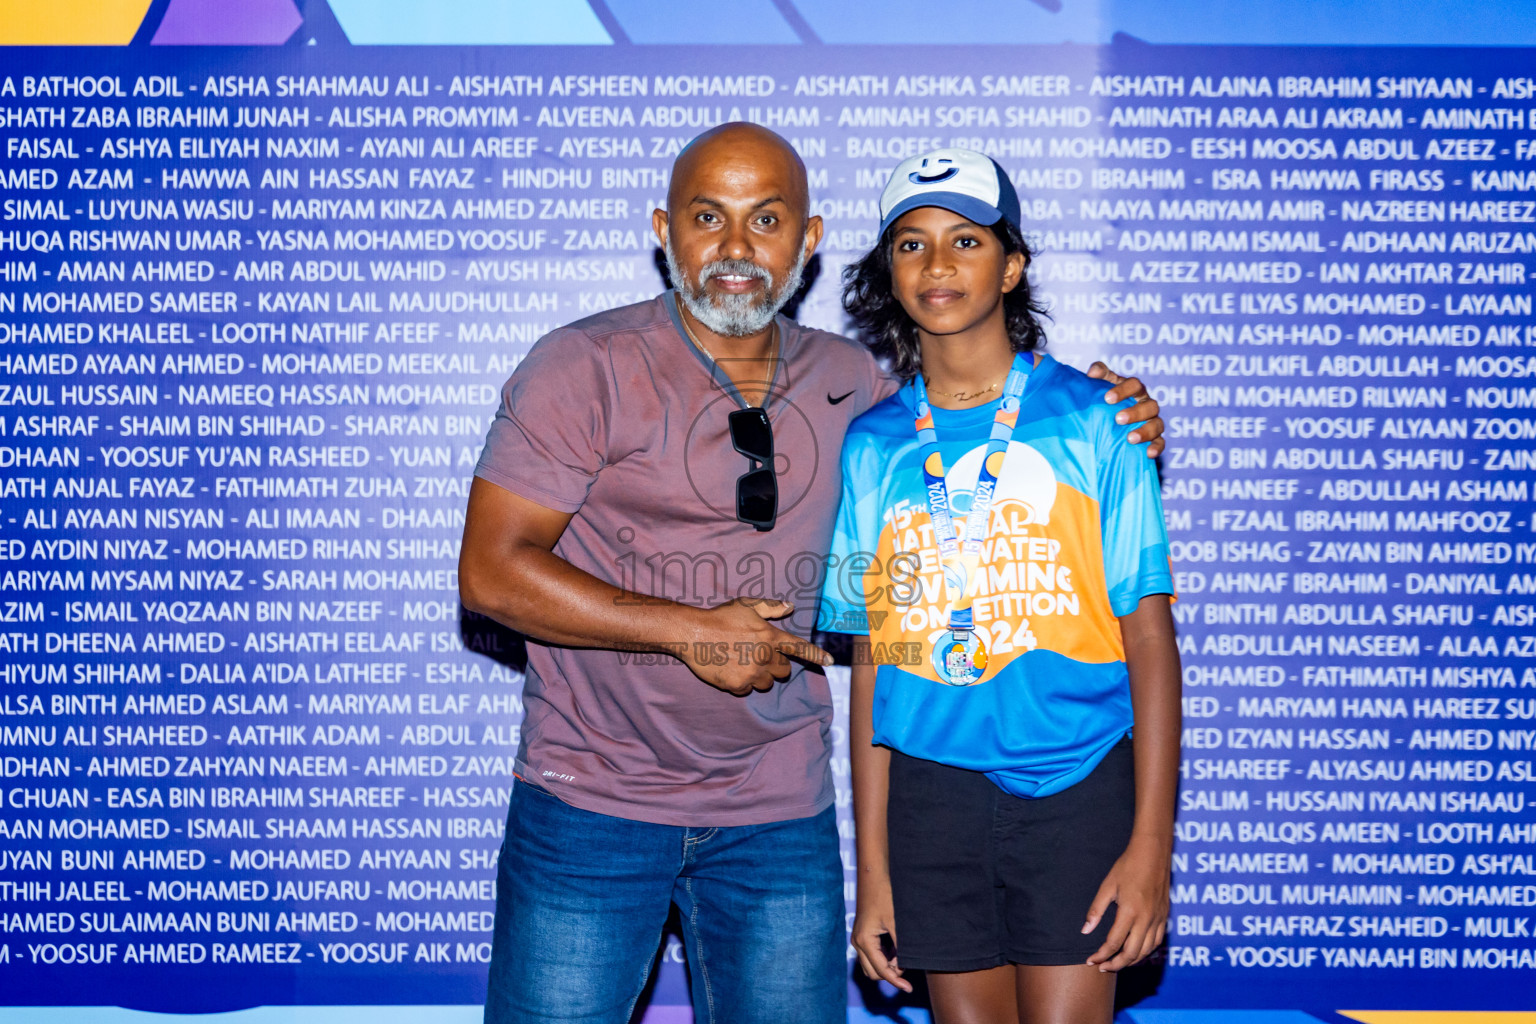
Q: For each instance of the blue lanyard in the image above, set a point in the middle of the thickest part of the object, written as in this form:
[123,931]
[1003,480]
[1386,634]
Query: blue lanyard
[961,558]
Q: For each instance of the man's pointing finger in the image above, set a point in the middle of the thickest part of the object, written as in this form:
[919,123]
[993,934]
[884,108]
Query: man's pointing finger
[802,650]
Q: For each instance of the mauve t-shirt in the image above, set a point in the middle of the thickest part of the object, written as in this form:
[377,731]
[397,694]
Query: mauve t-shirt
[619,420]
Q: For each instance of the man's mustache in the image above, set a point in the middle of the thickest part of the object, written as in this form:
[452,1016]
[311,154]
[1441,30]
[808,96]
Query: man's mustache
[735,268]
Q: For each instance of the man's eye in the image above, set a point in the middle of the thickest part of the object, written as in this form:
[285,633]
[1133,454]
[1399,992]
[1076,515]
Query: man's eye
[767,221]
[707,217]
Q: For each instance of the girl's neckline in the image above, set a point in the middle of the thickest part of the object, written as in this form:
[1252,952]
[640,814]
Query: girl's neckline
[991,402]
[985,411]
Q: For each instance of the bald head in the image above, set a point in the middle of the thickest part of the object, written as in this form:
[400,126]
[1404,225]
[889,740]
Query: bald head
[729,154]
[737,228]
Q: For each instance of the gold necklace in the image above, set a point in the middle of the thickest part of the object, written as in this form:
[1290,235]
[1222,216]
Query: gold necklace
[773,353]
[694,338]
[963,396]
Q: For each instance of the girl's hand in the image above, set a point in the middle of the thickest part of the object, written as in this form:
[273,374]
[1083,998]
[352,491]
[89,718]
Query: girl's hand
[1138,886]
[874,920]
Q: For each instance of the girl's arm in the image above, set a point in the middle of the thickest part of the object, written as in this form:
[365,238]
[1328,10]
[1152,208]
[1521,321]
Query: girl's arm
[874,915]
[1138,883]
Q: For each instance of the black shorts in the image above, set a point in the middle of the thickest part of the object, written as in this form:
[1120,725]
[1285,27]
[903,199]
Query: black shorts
[982,878]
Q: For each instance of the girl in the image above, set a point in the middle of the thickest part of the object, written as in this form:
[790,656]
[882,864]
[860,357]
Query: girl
[1001,556]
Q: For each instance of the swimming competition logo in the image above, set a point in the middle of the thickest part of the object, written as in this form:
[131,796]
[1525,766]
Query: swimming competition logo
[1025,493]
[1024,479]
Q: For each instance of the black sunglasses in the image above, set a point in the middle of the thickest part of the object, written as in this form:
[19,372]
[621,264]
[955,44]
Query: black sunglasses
[757,490]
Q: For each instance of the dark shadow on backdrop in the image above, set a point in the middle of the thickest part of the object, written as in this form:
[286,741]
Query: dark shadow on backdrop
[490,638]
[1142,981]
[892,1006]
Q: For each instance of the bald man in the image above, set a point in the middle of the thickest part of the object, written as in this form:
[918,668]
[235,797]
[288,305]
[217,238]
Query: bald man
[653,509]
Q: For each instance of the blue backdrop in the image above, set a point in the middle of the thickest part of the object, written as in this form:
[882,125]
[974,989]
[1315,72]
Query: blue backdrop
[256,302]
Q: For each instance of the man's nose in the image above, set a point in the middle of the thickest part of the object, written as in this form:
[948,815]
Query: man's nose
[736,244]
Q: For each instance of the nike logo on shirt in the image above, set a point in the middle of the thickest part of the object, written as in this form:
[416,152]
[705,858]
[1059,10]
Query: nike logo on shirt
[839,398]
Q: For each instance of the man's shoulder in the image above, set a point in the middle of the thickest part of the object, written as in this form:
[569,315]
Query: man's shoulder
[841,364]
[636,317]
[836,347]
[591,338]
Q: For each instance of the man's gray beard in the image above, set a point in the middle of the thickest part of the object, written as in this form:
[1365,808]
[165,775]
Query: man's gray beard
[734,316]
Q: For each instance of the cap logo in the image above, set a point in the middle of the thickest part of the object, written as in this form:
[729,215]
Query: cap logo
[923,176]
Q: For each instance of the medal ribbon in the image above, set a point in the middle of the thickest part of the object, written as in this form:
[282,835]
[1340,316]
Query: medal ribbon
[962,557]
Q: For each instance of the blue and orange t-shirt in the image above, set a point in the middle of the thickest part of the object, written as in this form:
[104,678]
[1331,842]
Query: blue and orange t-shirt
[1076,538]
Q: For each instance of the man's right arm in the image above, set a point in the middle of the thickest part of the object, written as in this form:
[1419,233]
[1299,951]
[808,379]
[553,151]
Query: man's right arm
[508,572]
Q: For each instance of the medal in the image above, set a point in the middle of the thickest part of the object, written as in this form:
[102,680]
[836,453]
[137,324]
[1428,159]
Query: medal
[960,655]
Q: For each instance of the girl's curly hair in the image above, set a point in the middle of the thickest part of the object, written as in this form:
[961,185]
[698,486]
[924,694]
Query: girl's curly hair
[890,332]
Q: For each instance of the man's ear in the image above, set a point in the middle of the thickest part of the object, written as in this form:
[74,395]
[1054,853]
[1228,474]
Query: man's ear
[659,225]
[813,233]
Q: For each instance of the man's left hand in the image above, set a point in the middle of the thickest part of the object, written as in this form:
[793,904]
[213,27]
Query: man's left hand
[1144,412]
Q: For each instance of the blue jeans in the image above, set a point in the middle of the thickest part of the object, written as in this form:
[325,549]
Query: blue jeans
[581,899]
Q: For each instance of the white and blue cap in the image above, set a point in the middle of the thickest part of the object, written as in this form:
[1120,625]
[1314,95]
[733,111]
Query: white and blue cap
[962,181]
